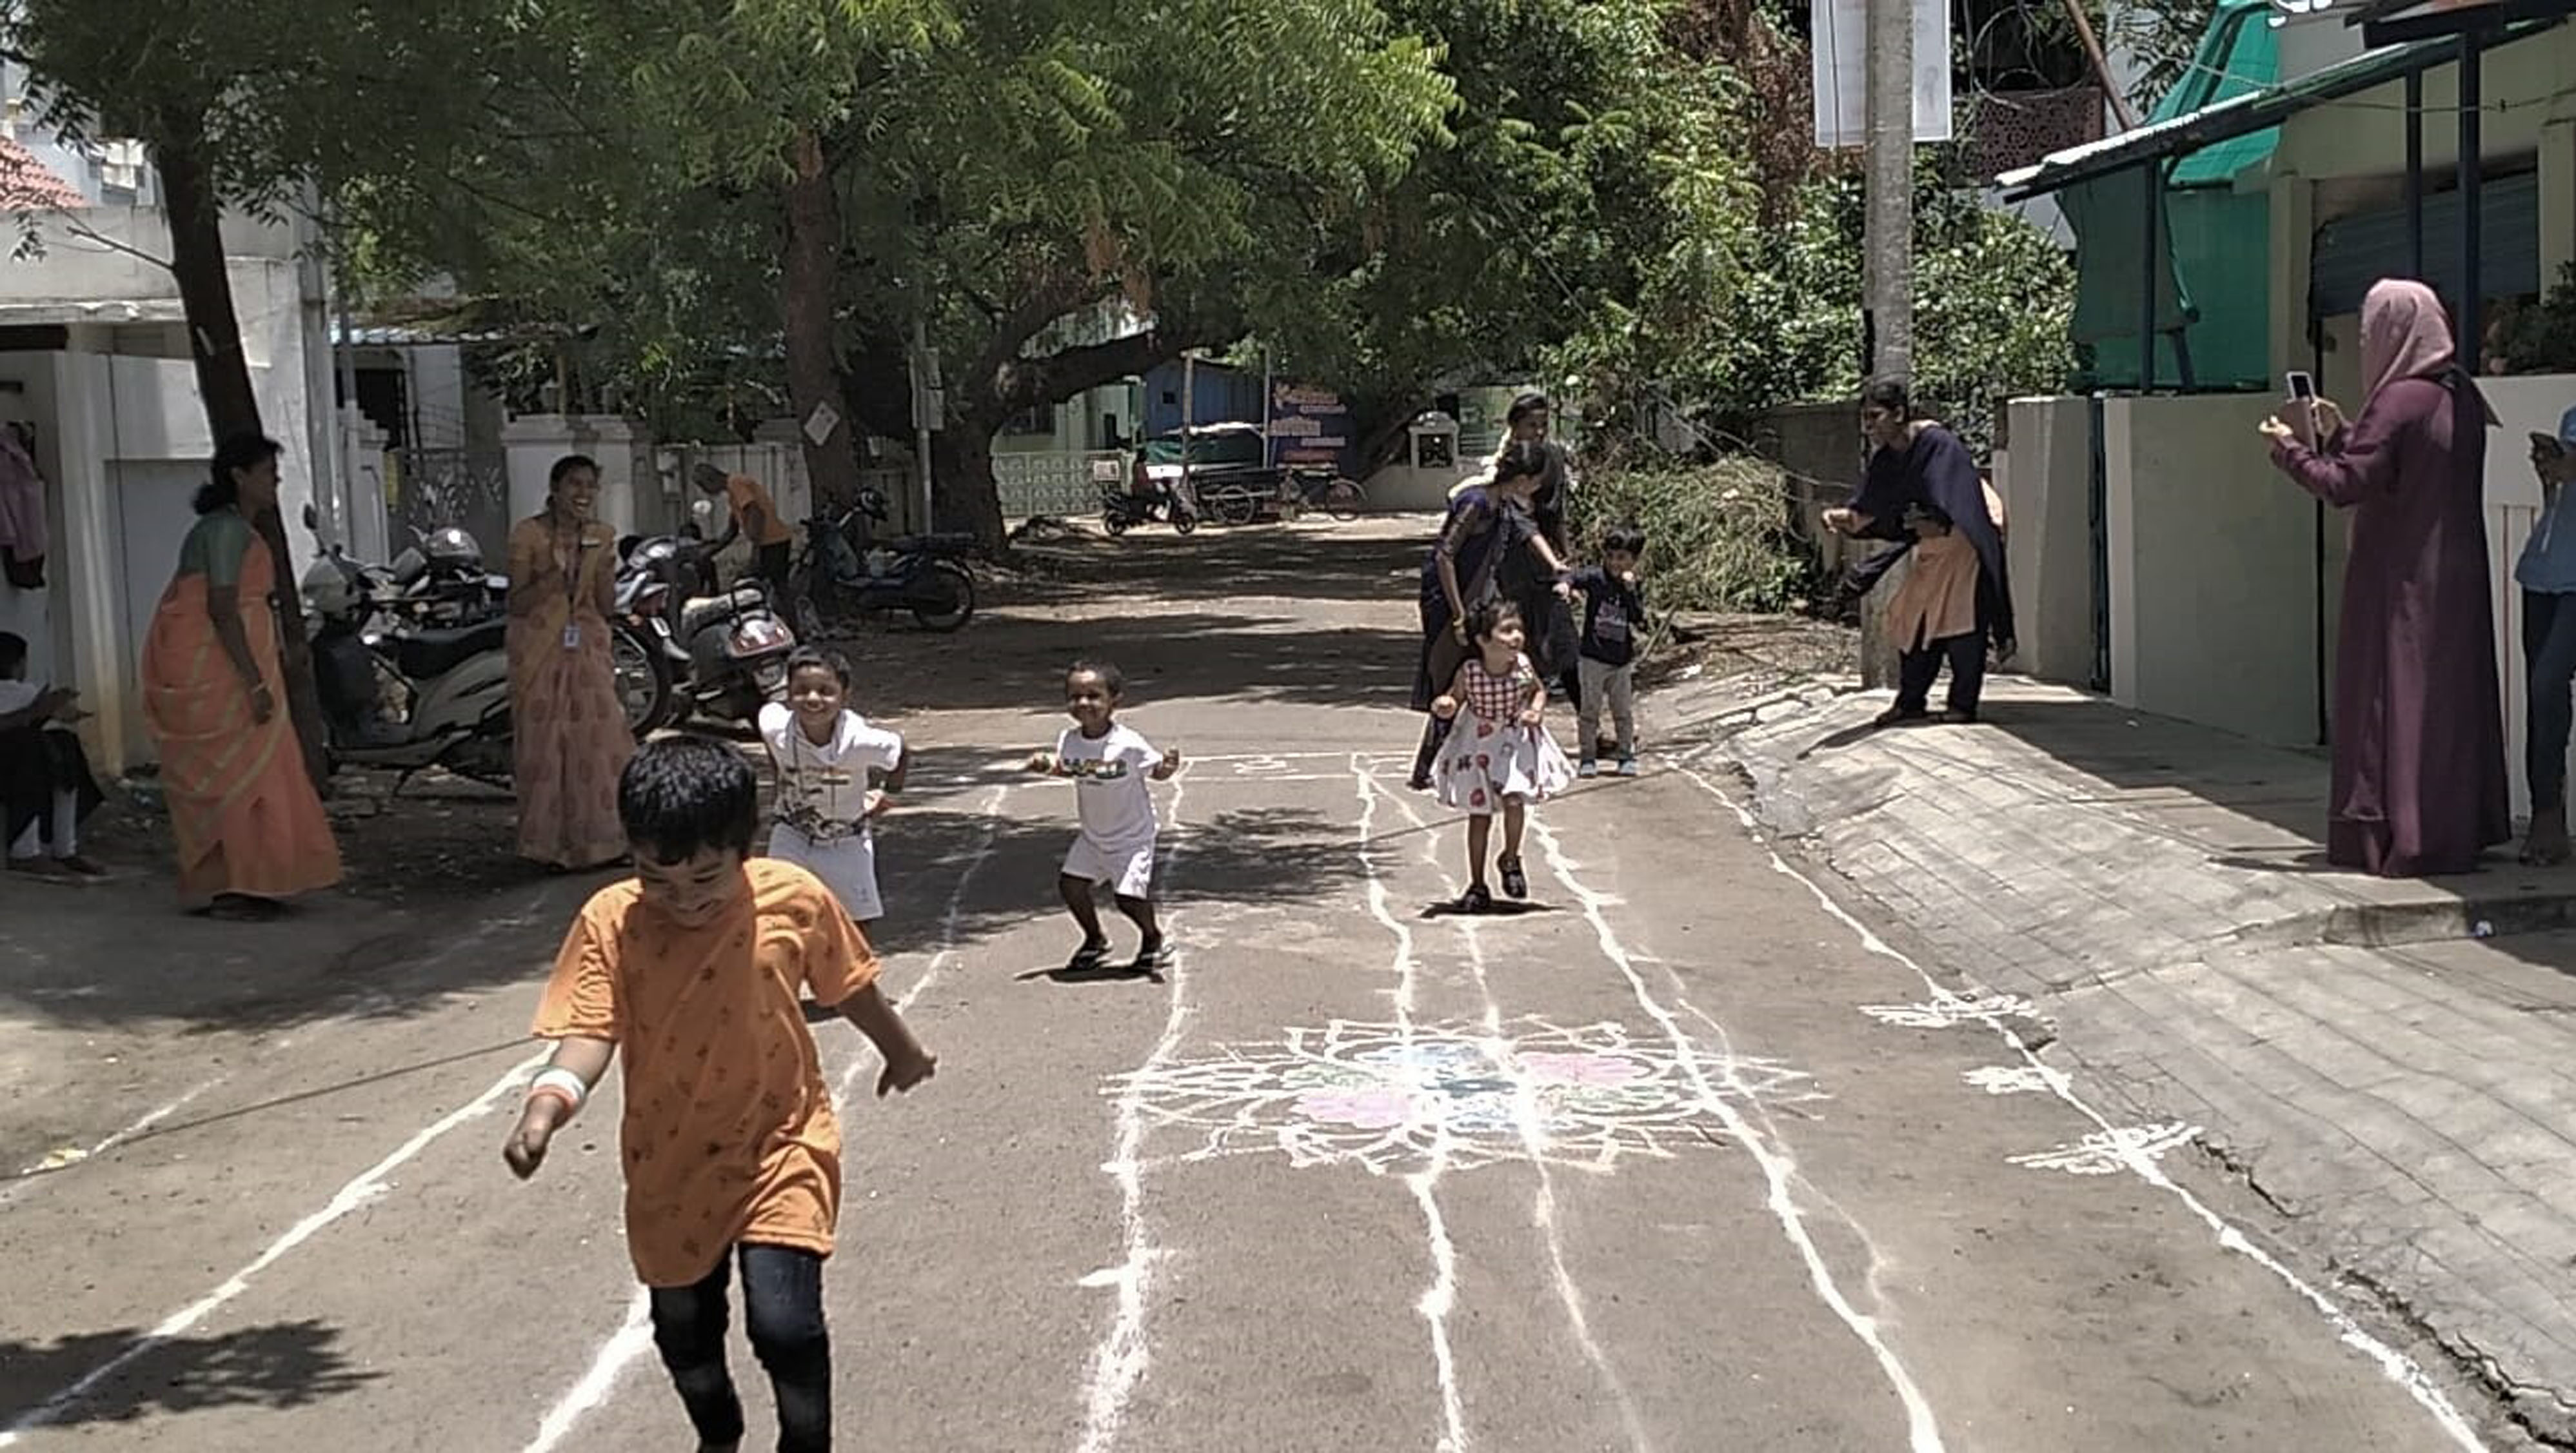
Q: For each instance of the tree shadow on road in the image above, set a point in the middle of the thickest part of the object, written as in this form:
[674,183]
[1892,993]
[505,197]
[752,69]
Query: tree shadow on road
[274,1367]
[1018,662]
[1240,858]
[1312,564]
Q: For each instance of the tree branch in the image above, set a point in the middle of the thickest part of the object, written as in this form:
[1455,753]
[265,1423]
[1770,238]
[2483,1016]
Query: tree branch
[1063,374]
[82,229]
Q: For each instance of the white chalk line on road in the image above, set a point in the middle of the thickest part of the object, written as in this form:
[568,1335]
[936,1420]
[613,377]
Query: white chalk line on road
[1778,1165]
[2395,1365]
[1440,1298]
[1543,1203]
[635,1334]
[366,1187]
[1119,1361]
[1533,1138]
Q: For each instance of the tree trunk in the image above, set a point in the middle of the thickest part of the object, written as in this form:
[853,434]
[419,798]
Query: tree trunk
[195,212]
[809,300]
[964,493]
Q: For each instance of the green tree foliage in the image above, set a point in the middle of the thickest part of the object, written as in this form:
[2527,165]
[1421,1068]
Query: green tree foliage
[1592,180]
[253,105]
[1992,300]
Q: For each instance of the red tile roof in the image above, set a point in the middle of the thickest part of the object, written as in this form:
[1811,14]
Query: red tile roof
[28,185]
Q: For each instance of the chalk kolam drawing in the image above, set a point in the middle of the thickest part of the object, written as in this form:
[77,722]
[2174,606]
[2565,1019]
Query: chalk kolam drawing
[1382,1097]
[1949,1011]
[2106,1152]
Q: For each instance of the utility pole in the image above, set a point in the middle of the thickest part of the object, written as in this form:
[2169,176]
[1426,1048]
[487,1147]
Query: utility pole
[1887,293]
[929,401]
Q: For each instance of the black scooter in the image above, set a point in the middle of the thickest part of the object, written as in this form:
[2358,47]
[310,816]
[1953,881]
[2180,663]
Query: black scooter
[843,570]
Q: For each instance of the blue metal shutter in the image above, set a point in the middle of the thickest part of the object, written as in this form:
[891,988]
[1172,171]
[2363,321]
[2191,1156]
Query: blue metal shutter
[2353,252]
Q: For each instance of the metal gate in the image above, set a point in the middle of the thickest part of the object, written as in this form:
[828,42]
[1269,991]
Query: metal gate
[435,488]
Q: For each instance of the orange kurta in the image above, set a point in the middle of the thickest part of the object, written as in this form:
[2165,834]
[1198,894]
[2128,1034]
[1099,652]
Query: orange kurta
[241,804]
[729,1133]
[569,738]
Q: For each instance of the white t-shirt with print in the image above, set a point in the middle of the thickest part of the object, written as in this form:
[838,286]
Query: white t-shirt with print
[831,779]
[1110,777]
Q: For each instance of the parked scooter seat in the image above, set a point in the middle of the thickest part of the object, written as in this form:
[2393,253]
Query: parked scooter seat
[426,654]
[698,614]
[944,542]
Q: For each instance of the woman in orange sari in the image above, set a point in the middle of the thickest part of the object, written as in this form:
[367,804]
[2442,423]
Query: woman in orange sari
[568,726]
[249,823]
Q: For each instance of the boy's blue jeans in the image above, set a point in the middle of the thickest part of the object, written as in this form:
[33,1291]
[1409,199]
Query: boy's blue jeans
[782,1297]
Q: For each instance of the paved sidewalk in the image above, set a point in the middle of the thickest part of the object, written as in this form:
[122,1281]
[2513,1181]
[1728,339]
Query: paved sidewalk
[2389,1062]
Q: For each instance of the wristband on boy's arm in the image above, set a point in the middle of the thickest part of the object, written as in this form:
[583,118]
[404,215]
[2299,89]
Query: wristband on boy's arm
[561,1084]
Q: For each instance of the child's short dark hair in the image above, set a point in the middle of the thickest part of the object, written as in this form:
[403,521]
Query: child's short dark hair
[821,658]
[1488,618]
[1626,537]
[681,796]
[1112,680]
[13,653]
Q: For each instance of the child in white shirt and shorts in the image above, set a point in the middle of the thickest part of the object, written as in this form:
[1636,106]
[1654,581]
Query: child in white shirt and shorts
[1110,765]
[829,762]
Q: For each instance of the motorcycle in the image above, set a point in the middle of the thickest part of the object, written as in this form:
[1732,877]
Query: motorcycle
[401,686]
[841,569]
[718,653]
[1142,499]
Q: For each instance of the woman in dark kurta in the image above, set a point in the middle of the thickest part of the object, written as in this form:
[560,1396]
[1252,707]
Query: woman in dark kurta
[1487,526]
[2418,727]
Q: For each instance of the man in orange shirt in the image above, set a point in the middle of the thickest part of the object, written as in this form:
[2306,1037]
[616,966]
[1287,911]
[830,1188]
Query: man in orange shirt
[692,971]
[756,516]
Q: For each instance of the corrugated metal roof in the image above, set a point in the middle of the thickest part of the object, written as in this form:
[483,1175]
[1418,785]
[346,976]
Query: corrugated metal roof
[2237,116]
[2238,57]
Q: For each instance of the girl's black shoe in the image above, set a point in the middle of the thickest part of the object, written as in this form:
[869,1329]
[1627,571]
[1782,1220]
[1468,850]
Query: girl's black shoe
[1476,900]
[1515,882]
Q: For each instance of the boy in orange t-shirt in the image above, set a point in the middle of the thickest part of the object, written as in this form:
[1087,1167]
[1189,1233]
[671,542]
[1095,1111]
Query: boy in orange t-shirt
[694,968]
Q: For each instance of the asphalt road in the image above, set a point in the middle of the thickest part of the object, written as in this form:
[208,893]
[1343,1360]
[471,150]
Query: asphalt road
[1681,1158]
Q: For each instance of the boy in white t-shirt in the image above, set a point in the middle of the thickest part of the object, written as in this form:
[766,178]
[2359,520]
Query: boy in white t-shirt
[1110,765]
[836,776]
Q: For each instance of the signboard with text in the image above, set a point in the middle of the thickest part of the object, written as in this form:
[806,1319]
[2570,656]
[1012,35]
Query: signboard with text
[1309,426]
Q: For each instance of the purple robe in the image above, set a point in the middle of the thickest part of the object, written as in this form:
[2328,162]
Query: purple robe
[2418,722]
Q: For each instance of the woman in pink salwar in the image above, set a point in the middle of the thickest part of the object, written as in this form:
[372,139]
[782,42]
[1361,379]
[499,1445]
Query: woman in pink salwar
[569,727]
[2418,725]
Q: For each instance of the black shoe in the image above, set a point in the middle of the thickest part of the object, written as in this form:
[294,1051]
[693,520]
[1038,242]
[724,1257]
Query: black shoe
[1090,958]
[1515,882]
[1477,899]
[1421,782]
[1151,960]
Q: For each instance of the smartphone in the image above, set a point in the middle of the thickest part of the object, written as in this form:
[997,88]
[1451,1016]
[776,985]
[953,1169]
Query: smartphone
[2302,387]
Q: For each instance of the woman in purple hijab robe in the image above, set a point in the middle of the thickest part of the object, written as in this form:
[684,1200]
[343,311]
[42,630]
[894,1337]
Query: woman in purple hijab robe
[2418,725]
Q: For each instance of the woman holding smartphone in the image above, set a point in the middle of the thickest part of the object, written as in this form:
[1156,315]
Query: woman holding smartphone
[2418,721]
[2547,575]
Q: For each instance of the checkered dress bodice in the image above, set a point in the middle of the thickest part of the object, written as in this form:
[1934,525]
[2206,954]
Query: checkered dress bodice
[1498,698]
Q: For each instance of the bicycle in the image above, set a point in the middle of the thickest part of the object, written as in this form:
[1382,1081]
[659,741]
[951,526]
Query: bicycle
[1320,489]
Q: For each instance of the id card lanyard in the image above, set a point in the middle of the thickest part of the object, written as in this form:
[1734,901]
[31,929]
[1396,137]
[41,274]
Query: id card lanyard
[572,589]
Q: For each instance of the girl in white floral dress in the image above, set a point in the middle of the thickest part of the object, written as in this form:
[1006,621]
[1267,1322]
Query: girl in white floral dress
[1498,756]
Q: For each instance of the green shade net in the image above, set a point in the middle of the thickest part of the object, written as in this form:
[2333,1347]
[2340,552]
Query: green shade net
[2214,277]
